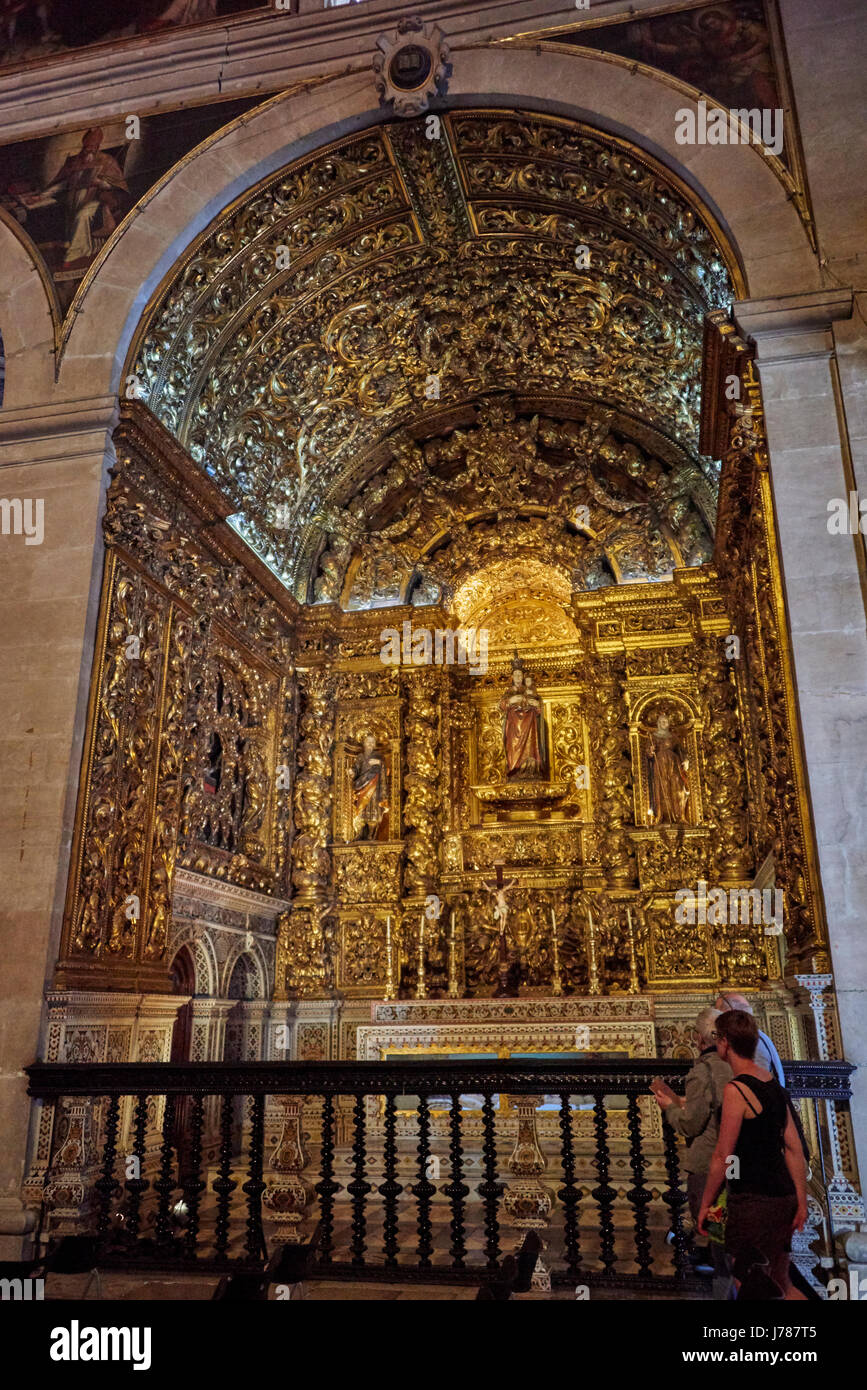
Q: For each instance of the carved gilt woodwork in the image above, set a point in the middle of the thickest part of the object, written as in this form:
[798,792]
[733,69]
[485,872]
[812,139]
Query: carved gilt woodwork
[432,417]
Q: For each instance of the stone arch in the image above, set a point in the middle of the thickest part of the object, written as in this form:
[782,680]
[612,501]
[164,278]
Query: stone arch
[28,312]
[734,182]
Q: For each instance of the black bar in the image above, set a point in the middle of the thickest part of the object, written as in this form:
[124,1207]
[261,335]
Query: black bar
[51,1080]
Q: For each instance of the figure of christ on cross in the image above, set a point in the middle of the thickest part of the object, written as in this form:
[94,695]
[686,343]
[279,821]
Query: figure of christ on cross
[499,889]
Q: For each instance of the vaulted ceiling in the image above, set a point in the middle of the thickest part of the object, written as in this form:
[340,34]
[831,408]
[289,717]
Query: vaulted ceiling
[405,343]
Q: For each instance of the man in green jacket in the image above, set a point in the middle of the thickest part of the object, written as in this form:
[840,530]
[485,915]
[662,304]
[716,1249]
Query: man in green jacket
[695,1116]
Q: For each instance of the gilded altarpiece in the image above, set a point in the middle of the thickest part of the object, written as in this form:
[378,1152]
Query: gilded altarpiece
[553,492]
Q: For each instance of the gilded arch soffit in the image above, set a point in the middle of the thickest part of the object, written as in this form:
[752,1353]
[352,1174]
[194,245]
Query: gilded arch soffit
[376,290]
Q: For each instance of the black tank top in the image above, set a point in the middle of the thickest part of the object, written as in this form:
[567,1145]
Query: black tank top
[760,1147]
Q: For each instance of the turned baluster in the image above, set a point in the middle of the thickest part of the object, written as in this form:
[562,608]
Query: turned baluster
[326,1187]
[570,1192]
[390,1189]
[358,1188]
[456,1190]
[136,1186]
[165,1183]
[424,1189]
[489,1189]
[255,1186]
[193,1185]
[638,1194]
[603,1193]
[224,1185]
[106,1185]
[674,1199]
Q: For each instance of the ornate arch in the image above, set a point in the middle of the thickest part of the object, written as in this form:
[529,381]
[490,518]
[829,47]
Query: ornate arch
[255,959]
[374,290]
[198,939]
[760,219]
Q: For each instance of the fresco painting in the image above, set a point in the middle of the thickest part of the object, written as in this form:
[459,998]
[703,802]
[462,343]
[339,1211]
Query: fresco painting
[35,29]
[69,192]
[723,49]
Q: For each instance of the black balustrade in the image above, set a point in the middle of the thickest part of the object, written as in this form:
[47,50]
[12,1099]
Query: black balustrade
[175,1185]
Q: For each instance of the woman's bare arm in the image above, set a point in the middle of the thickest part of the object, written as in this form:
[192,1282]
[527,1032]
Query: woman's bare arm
[733,1108]
[794,1157]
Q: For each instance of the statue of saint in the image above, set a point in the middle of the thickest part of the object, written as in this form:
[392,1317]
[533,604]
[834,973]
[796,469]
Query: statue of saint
[523,727]
[370,808]
[667,780]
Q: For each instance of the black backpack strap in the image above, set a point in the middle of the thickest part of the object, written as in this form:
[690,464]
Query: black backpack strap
[746,1098]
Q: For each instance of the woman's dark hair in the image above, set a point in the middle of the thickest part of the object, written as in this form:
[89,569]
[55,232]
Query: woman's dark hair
[740,1031]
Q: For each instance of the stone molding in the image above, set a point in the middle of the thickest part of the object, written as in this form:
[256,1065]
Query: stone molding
[257,52]
[58,430]
[221,894]
[793,327]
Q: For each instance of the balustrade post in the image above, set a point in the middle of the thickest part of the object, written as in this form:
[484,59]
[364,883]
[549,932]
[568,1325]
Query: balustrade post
[67,1195]
[527,1201]
[287,1195]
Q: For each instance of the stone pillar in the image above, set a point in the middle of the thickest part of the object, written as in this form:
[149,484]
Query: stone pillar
[825,596]
[844,1201]
[49,593]
[208,1033]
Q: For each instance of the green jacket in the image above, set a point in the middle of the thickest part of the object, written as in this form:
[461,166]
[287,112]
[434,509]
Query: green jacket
[698,1119]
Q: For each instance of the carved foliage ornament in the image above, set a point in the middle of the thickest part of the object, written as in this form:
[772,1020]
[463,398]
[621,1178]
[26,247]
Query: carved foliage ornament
[309,324]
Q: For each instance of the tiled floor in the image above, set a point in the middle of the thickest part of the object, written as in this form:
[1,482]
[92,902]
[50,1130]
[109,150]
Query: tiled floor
[191,1288]
[116,1285]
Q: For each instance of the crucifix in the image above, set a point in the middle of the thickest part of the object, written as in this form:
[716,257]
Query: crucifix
[501,913]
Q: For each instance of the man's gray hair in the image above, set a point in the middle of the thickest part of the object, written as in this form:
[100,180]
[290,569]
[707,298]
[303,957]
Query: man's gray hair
[705,1022]
[736,1001]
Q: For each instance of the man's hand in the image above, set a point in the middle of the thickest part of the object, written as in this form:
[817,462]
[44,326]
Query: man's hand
[701,1219]
[800,1217]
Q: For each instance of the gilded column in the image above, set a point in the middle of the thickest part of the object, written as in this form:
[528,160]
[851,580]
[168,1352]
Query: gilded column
[304,962]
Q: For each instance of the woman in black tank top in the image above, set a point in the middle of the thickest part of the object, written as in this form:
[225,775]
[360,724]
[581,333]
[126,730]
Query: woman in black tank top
[758,1154]
[759,1149]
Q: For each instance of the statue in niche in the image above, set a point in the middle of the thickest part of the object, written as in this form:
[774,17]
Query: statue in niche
[523,727]
[667,774]
[370,802]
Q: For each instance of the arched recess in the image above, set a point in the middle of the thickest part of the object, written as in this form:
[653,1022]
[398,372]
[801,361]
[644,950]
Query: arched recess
[182,973]
[732,181]
[197,940]
[245,970]
[687,726]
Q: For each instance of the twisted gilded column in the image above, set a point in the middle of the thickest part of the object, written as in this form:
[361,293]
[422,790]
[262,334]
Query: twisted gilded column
[303,948]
